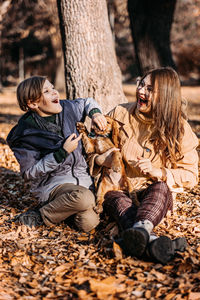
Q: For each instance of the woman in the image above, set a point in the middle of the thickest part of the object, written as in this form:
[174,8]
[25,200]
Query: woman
[49,152]
[159,152]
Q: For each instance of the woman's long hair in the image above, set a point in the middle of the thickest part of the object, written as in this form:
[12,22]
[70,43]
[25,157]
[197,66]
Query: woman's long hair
[167,113]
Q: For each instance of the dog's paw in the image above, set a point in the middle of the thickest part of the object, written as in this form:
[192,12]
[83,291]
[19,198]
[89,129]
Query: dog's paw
[80,127]
[116,168]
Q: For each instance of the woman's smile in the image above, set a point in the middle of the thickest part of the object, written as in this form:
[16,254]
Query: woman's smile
[143,101]
[144,95]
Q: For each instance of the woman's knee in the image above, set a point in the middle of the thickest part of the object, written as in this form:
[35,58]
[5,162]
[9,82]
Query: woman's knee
[163,186]
[160,189]
[112,197]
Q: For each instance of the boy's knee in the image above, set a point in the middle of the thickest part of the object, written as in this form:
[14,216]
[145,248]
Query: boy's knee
[86,198]
[87,221]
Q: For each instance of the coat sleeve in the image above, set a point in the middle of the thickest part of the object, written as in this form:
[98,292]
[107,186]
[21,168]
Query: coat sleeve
[186,173]
[85,106]
[31,166]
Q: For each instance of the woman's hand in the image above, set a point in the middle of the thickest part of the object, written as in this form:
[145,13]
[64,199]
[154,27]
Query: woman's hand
[71,142]
[145,166]
[105,159]
[99,120]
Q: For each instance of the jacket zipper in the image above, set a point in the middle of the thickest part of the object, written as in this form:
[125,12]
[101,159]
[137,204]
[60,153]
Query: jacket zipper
[77,180]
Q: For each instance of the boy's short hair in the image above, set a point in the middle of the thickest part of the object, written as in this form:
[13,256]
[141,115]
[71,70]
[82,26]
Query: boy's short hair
[29,89]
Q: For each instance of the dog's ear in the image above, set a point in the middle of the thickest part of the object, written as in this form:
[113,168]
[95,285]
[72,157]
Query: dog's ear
[115,133]
[109,119]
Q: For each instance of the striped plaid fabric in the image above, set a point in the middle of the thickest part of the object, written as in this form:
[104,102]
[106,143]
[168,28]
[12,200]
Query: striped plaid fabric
[155,201]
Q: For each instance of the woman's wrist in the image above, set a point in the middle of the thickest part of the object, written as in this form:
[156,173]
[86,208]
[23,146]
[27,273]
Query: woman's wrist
[164,174]
[160,174]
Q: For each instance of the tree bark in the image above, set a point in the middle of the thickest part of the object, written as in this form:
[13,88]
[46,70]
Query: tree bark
[91,68]
[150,25]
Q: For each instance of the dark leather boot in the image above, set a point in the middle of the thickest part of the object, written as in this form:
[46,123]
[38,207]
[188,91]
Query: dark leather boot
[163,249]
[135,241]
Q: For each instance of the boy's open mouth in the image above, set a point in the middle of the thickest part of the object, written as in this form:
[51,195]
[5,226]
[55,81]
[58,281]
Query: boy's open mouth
[55,101]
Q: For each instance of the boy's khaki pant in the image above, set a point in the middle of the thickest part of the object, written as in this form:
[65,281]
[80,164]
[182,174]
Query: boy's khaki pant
[69,199]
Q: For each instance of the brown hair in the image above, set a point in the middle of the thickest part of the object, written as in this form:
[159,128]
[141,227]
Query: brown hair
[167,113]
[30,89]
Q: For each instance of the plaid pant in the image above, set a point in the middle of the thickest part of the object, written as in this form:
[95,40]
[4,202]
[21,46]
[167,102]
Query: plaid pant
[155,201]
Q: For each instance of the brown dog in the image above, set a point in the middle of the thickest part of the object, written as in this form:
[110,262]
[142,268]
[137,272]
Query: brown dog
[114,178]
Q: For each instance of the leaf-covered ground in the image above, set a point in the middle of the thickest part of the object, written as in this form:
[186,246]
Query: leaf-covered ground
[61,263]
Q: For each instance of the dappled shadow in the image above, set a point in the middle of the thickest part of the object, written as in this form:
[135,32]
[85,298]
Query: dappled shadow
[2,141]
[8,105]
[194,109]
[14,192]
[190,82]
[193,105]
[9,118]
[195,124]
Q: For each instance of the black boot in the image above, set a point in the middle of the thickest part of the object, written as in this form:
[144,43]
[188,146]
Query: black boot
[180,244]
[135,241]
[163,248]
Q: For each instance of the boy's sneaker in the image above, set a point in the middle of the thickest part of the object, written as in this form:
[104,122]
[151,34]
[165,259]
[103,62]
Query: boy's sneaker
[30,218]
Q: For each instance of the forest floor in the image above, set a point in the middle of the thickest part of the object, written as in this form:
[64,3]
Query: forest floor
[61,263]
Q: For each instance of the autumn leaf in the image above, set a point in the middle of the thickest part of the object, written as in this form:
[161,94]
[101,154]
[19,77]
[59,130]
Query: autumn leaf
[106,287]
[62,263]
[117,251]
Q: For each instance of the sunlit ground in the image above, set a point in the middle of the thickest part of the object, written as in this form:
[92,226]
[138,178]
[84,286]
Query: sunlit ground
[61,263]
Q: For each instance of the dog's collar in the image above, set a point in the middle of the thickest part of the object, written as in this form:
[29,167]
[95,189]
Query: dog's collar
[93,135]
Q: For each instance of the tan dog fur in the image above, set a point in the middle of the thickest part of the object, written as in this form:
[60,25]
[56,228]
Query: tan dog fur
[113,178]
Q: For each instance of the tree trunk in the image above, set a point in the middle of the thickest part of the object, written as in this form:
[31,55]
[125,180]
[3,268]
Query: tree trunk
[91,68]
[60,78]
[151,24]
[21,64]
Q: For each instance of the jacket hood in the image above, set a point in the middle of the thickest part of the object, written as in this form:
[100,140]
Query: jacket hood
[26,135]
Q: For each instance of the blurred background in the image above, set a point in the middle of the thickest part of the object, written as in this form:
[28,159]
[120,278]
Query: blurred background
[31,42]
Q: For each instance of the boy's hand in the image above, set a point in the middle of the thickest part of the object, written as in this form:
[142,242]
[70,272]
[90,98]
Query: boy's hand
[99,120]
[71,142]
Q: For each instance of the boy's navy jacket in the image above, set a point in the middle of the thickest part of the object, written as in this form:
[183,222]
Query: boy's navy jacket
[34,149]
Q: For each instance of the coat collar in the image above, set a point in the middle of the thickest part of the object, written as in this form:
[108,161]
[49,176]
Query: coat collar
[142,118]
[126,116]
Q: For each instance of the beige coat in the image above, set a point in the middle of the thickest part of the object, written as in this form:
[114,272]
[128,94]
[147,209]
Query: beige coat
[133,143]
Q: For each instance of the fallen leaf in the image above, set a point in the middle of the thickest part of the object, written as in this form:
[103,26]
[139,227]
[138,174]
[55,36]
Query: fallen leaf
[117,251]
